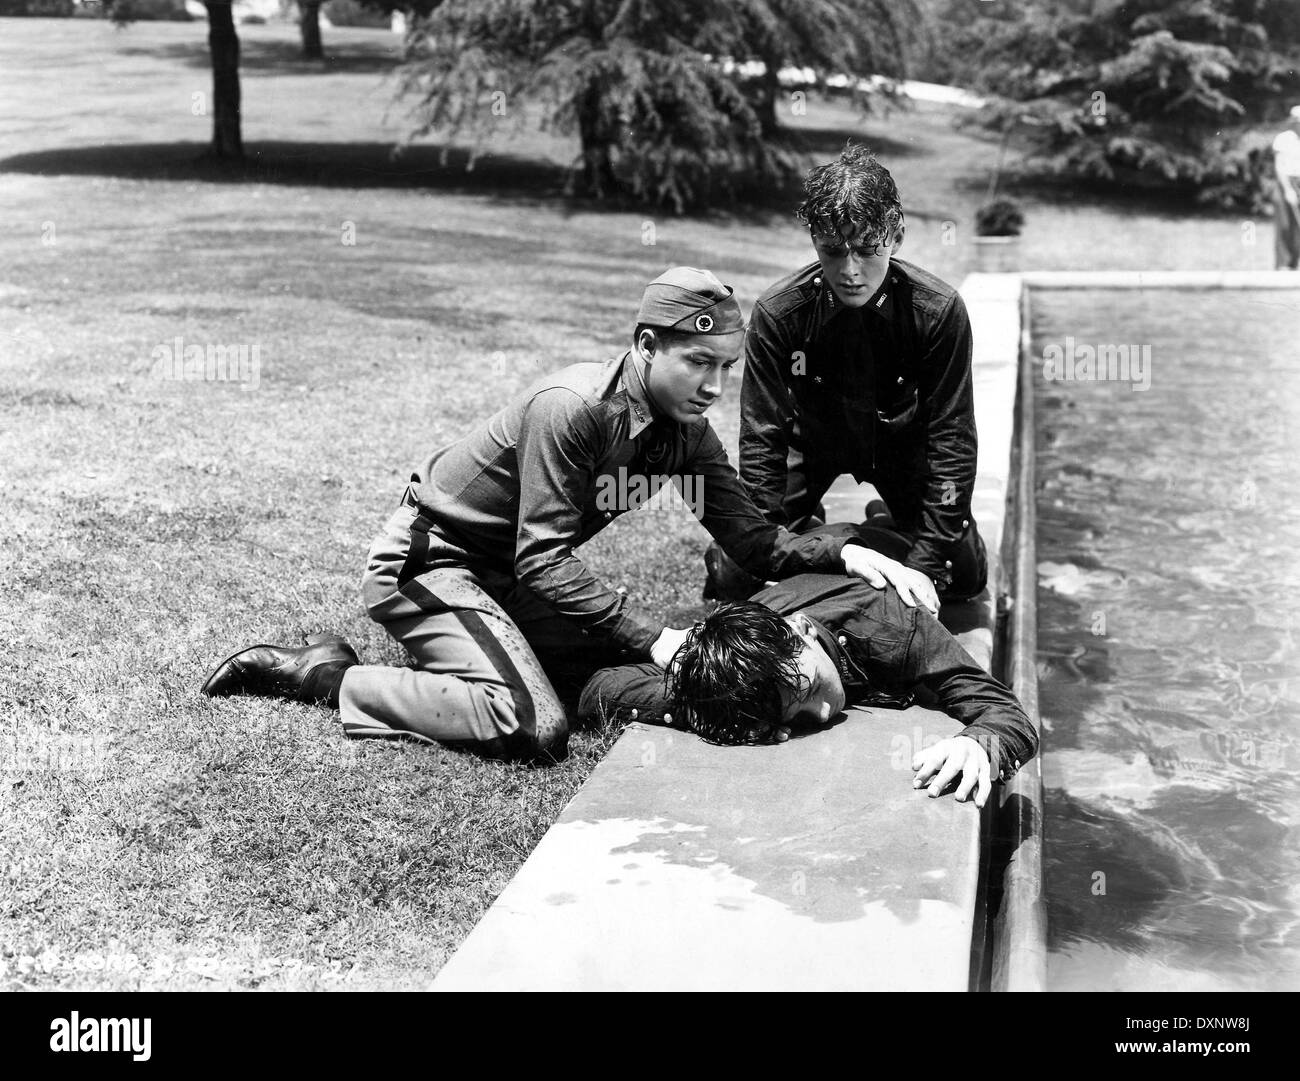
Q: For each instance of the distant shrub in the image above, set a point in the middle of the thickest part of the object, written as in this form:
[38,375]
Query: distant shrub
[352,13]
[155,10]
[44,9]
[1001,217]
[1241,178]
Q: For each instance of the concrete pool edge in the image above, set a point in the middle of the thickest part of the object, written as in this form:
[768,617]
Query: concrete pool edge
[1156,279]
[1009,950]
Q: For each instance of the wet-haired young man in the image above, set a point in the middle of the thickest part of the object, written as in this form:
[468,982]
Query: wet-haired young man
[798,651]
[860,363]
[475,573]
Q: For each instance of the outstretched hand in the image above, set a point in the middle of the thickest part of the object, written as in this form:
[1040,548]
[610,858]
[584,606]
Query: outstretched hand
[938,765]
[878,570]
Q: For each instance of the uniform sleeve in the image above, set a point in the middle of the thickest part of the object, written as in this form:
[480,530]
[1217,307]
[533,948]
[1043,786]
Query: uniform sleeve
[762,548]
[766,416]
[612,694]
[950,440]
[991,713]
[558,445]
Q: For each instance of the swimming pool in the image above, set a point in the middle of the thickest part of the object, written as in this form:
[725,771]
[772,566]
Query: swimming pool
[1168,506]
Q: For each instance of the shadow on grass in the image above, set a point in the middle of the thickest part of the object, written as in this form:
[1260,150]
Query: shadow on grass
[1133,198]
[362,165]
[823,144]
[283,57]
[507,177]
[427,167]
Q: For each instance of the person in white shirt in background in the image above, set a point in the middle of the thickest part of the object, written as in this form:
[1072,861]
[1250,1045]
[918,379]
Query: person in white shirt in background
[1286,195]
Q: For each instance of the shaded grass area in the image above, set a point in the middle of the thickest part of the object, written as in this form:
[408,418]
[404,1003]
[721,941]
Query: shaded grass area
[150,837]
[314,164]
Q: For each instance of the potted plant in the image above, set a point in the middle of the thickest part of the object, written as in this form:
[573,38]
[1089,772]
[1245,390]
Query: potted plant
[997,236]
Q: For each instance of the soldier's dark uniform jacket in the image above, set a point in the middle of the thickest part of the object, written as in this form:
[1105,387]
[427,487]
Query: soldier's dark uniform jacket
[884,651]
[882,392]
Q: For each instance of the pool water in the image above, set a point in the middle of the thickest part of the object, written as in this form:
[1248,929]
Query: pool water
[1169,611]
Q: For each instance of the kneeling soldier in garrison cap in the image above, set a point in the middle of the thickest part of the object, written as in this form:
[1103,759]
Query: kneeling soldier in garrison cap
[475,572]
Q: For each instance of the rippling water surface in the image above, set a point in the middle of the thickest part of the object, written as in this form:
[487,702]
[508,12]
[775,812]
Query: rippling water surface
[1169,611]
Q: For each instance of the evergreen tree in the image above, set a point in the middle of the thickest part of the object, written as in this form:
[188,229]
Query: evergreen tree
[1161,93]
[654,89]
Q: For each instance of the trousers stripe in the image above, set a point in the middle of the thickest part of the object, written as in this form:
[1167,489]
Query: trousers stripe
[525,714]
[413,565]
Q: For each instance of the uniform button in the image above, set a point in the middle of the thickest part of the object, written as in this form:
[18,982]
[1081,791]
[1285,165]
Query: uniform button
[965,522]
[817,281]
[900,380]
[947,564]
[608,515]
[843,641]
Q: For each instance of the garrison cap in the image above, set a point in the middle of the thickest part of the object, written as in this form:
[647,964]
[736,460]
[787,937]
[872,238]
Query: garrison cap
[690,301]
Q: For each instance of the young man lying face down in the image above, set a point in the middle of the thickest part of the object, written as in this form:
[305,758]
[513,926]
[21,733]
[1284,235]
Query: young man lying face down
[802,649]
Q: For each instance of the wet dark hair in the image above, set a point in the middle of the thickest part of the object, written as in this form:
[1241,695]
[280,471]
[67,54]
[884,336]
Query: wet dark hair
[725,681]
[854,190]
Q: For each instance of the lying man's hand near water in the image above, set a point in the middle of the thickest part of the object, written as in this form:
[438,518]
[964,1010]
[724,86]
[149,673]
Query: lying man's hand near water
[938,765]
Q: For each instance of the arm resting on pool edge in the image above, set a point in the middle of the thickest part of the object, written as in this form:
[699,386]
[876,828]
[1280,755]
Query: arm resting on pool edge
[900,649]
[992,715]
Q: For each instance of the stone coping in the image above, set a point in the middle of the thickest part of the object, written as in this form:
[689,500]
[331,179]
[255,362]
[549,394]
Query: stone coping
[1157,279]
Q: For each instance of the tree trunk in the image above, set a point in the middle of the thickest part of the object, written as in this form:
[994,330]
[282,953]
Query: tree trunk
[996,178]
[309,24]
[769,99]
[223,43]
[597,170]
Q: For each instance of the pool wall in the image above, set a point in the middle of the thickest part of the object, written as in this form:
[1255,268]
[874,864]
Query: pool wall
[1013,953]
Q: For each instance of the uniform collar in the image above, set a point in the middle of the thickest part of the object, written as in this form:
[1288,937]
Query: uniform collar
[882,304]
[641,413]
[850,674]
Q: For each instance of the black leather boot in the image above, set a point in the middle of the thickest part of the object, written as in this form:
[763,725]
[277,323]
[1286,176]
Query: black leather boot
[311,674]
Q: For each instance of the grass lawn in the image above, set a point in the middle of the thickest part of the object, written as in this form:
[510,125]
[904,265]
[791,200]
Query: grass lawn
[155,839]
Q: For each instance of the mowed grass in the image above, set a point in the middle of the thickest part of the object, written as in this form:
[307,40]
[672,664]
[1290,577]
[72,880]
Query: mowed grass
[152,838]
